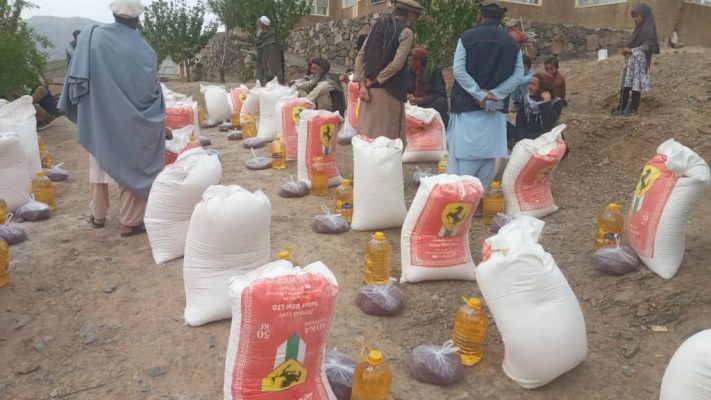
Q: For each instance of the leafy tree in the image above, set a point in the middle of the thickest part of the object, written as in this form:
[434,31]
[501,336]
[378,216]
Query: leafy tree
[178,30]
[22,62]
[222,54]
[284,14]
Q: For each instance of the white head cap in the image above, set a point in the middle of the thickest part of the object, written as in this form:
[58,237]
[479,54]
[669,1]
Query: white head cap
[126,8]
[264,20]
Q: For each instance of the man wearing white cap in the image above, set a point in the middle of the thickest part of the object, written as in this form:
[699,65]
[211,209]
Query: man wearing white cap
[270,57]
[113,94]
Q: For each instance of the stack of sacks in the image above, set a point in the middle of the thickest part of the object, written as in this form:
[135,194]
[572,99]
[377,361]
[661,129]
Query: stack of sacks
[19,117]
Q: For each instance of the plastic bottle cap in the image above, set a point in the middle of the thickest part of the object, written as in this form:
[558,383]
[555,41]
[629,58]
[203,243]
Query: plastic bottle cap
[473,302]
[345,181]
[379,236]
[284,255]
[375,357]
[40,173]
[496,184]
[613,207]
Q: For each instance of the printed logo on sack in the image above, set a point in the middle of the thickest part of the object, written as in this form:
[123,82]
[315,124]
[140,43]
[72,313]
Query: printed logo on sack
[544,174]
[453,215]
[650,174]
[288,370]
[296,114]
[328,132]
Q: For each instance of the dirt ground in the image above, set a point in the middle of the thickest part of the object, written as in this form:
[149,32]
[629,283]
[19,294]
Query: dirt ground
[70,278]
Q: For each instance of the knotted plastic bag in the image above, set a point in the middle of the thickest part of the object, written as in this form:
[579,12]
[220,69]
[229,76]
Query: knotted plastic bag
[329,223]
[56,173]
[292,189]
[33,211]
[205,141]
[616,260]
[339,371]
[258,162]
[435,364]
[383,300]
[499,221]
[234,135]
[419,174]
[12,234]
[345,136]
[254,143]
[225,126]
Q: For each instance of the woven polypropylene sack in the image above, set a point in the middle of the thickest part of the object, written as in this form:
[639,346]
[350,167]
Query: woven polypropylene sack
[288,116]
[217,104]
[316,138]
[14,180]
[268,128]
[19,117]
[426,135]
[688,375]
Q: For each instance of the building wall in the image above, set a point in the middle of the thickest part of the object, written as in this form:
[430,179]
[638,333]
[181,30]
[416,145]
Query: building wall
[694,25]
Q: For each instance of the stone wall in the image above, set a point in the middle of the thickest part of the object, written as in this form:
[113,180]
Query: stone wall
[571,41]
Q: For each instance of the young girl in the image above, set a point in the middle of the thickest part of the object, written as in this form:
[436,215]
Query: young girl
[539,113]
[638,59]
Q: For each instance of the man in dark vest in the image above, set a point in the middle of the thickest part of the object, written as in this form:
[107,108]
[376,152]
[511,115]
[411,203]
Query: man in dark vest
[488,66]
[381,70]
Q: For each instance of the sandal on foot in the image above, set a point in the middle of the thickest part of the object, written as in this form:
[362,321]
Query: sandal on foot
[96,223]
[135,230]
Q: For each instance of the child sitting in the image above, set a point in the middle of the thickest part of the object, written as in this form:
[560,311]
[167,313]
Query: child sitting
[555,78]
[538,114]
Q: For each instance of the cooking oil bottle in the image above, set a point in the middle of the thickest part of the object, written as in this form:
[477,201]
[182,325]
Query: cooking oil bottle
[470,326]
[278,153]
[3,211]
[45,156]
[319,177]
[442,165]
[42,190]
[234,120]
[344,200]
[493,202]
[285,255]
[202,114]
[249,126]
[4,263]
[610,225]
[194,141]
[377,260]
[372,378]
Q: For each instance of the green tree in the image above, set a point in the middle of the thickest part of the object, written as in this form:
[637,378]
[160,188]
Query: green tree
[178,30]
[22,64]
[442,23]
[284,14]
[222,54]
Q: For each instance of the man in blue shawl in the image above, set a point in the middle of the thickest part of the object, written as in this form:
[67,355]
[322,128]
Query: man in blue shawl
[113,94]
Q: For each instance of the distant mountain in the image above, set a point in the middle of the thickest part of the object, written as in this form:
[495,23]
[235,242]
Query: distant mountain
[58,31]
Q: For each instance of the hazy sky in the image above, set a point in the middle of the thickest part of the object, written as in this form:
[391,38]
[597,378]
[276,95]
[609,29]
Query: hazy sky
[94,9]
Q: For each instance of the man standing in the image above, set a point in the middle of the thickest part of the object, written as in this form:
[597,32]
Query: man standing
[113,94]
[71,46]
[270,58]
[488,66]
[381,70]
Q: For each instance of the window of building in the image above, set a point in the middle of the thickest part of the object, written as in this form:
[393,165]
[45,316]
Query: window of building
[348,3]
[699,2]
[319,7]
[376,1]
[530,2]
[590,3]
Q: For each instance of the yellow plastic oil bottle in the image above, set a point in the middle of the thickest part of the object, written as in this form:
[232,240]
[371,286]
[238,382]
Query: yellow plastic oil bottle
[377,260]
[3,211]
[234,120]
[194,141]
[372,378]
[249,126]
[442,165]
[469,334]
[45,156]
[493,202]
[285,255]
[344,200]
[43,190]
[278,153]
[610,224]
[319,177]
[4,263]
[202,114]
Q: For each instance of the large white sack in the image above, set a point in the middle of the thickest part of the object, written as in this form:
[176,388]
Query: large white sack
[527,177]
[671,186]
[535,310]
[426,135]
[250,106]
[350,126]
[181,138]
[317,138]
[14,180]
[281,315]
[170,95]
[378,186]
[288,115]
[19,117]
[435,236]
[268,127]
[217,103]
[174,194]
[688,375]
[228,236]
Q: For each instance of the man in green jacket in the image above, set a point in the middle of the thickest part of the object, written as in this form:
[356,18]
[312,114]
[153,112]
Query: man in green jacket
[270,58]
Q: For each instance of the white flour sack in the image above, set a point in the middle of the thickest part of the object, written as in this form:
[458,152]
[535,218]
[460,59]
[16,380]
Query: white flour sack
[228,236]
[688,375]
[671,186]
[268,127]
[237,97]
[19,117]
[180,113]
[174,194]
[426,135]
[435,235]
[317,138]
[288,113]
[350,127]
[281,315]
[535,310]
[250,107]
[176,145]
[527,177]
[14,180]
[378,186]
[217,103]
